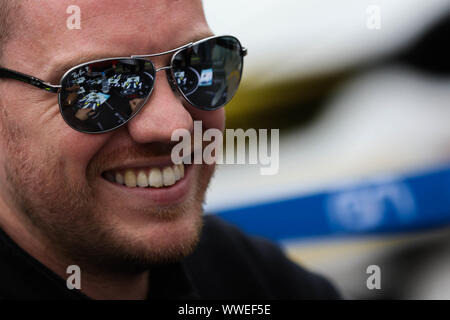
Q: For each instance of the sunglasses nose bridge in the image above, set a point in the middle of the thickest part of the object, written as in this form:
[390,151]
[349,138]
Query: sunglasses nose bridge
[163,68]
[170,78]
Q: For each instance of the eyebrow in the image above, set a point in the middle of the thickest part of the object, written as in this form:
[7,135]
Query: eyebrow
[60,68]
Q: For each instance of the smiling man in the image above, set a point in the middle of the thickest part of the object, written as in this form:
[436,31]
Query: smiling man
[86,176]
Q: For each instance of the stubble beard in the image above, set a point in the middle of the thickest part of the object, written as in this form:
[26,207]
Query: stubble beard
[65,214]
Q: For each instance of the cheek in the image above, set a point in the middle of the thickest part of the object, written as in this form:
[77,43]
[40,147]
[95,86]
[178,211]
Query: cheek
[47,138]
[77,149]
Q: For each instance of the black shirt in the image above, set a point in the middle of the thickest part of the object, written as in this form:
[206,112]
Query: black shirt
[226,264]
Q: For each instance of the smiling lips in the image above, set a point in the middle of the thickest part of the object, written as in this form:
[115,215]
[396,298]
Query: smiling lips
[146,177]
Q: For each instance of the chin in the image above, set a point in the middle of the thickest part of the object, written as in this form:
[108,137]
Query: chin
[140,239]
[167,235]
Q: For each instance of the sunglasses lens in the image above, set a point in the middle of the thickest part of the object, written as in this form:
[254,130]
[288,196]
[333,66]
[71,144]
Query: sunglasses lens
[208,73]
[103,95]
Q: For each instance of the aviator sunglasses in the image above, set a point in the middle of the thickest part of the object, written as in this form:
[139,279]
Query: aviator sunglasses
[102,95]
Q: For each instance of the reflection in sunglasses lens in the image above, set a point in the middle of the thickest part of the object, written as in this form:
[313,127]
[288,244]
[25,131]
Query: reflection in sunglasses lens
[103,95]
[208,74]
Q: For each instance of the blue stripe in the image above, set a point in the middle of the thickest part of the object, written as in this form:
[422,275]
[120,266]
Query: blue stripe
[383,206]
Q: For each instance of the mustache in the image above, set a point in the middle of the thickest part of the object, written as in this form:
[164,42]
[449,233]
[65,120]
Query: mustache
[117,156]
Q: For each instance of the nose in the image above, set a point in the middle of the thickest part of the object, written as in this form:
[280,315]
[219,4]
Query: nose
[163,113]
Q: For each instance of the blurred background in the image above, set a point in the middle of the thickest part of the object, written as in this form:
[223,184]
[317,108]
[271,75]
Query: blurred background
[360,91]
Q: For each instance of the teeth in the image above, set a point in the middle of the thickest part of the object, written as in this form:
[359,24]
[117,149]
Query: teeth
[177,172]
[119,178]
[154,177]
[168,176]
[142,179]
[181,166]
[130,178]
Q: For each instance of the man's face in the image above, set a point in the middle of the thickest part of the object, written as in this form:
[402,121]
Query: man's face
[51,176]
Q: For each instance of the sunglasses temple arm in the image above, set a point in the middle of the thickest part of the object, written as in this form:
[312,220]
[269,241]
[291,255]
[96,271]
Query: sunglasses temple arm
[10,74]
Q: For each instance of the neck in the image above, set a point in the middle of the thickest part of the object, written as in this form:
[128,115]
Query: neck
[98,284]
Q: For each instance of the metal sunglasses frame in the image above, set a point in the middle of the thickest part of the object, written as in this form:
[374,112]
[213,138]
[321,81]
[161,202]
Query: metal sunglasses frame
[11,74]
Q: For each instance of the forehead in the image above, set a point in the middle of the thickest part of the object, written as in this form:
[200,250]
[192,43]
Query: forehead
[108,27]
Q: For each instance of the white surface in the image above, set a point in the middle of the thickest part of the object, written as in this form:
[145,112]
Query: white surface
[387,122]
[293,37]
